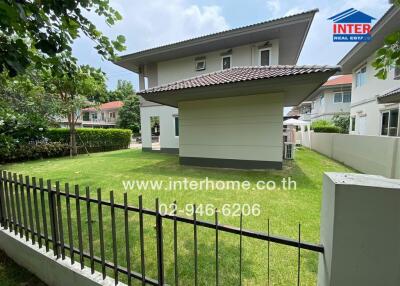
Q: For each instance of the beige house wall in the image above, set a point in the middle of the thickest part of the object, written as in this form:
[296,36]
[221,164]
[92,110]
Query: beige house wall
[248,55]
[241,128]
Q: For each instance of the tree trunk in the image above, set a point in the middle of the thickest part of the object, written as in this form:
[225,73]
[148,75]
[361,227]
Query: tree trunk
[73,150]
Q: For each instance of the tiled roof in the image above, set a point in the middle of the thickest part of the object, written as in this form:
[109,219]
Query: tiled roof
[107,105]
[340,80]
[395,91]
[223,32]
[239,74]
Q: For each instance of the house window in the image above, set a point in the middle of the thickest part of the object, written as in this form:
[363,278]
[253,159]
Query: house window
[86,116]
[226,62]
[265,57]
[338,97]
[353,123]
[346,96]
[390,123]
[361,76]
[94,116]
[112,115]
[200,65]
[397,72]
[176,120]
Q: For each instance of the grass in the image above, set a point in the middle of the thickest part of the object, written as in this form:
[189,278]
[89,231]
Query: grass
[285,209]
[12,274]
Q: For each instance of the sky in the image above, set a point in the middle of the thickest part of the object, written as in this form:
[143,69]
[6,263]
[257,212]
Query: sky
[151,23]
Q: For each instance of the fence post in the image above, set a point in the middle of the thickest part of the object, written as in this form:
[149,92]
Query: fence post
[53,218]
[160,254]
[360,230]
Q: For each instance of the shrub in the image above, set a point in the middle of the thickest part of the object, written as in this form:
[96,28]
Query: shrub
[93,139]
[42,150]
[327,129]
[342,121]
[320,123]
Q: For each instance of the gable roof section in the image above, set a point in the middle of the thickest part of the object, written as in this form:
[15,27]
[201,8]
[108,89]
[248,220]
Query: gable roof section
[238,74]
[340,80]
[105,106]
[389,23]
[292,30]
[352,16]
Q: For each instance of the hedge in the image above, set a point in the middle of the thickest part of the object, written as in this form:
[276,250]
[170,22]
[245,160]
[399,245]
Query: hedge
[327,129]
[93,139]
[25,152]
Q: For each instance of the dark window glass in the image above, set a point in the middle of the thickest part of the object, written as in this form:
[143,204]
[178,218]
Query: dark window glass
[200,65]
[337,98]
[226,62]
[347,97]
[394,122]
[264,58]
[86,116]
[176,126]
[397,73]
[385,121]
[353,124]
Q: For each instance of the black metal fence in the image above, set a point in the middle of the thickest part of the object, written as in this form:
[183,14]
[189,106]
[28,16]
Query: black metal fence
[53,219]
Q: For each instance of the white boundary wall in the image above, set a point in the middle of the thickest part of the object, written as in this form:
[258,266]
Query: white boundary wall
[377,155]
[49,269]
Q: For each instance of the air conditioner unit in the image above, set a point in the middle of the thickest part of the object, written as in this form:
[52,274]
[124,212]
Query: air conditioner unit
[289,150]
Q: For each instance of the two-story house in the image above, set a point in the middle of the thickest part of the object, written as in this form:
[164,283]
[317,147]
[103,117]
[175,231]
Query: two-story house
[375,102]
[103,116]
[218,99]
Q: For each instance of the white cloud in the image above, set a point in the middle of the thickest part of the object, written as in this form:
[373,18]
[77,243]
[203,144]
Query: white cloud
[274,5]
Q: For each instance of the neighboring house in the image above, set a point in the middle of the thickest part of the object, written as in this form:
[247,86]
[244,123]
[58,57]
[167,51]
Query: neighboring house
[375,102]
[102,116]
[332,98]
[220,98]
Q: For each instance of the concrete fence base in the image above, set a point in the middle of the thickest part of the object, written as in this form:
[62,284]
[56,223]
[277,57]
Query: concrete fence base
[52,271]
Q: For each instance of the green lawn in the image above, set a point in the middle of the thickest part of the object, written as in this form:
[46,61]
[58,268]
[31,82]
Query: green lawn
[285,209]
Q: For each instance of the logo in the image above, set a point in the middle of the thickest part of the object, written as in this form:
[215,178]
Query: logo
[351,26]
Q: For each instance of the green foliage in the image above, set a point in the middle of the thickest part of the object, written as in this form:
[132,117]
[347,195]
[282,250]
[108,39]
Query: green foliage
[327,129]
[48,28]
[123,91]
[95,140]
[23,152]
[320,123]
[343,122]
[389,55]
[129,114]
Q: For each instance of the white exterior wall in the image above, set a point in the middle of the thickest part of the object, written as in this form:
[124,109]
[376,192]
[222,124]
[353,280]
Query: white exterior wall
[378,155]
[363,101]
[241,128]
[167,126]
[327,108]
[248,55]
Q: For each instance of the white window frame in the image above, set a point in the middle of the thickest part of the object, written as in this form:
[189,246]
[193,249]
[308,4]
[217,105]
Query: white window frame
[222,61]
[199,61]
[381,119]
[259,55]
[341,97]
[358,71]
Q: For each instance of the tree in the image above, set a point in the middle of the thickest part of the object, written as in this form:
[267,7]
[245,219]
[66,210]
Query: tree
[32,27]
[129,114]
[342,121]
[123,91]
[389,55]
[71,92]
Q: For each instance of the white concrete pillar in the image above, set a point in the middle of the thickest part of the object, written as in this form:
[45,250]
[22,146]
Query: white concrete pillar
[360,231]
